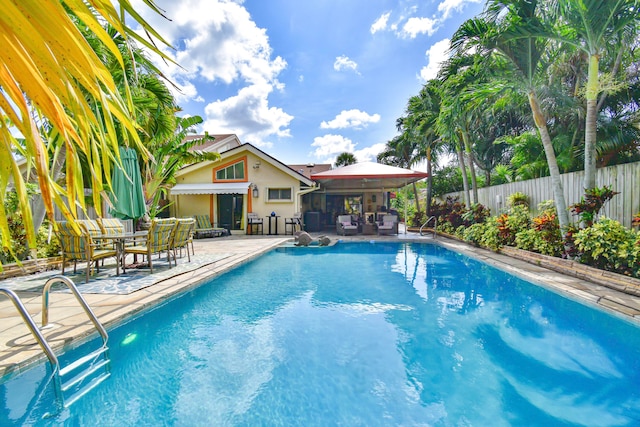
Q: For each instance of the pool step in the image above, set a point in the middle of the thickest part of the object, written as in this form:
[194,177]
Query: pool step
[86,389]
[92,363]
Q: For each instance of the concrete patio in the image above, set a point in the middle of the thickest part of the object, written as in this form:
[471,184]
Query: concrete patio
[113,300]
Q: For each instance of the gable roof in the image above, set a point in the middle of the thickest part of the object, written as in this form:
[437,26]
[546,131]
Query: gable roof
[221,142]
[258,153]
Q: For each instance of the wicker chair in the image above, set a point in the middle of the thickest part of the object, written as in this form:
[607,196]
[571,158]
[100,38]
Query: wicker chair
[78,244]
[345,226]
[159,240]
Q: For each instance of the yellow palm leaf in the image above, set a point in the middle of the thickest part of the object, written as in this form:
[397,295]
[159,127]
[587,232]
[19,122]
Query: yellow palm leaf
[48,71]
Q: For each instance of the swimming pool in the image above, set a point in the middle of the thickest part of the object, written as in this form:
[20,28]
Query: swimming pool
[357,334]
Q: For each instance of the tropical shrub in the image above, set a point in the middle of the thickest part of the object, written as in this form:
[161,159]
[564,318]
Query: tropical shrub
[544,236]
[517,198]
[477,214]
[610,246]
[450,211]
[474,234]
[591,203]
[19,250]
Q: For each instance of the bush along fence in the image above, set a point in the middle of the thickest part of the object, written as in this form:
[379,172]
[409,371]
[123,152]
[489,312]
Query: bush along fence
[624,179]
[595,240]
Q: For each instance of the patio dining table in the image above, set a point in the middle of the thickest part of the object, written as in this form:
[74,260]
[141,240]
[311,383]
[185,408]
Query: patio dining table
[120,240]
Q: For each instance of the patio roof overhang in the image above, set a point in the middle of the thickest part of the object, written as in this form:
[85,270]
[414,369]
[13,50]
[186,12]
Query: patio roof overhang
[210,188]
[367,176]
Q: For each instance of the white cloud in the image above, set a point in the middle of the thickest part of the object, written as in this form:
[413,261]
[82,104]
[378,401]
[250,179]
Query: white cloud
[351,119]
[369,154]
[344,63]
[381,23]
[329,146]
[415,26]
[218,42]
[248,115]
[436,55]
[446,7]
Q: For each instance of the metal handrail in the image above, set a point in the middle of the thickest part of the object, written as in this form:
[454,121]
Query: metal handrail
[81,300]
[32,327]
[435,225]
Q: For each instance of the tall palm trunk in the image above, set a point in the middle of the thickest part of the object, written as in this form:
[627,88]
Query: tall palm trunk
[556,182]
[590,124]
[429,183]
[463,170]
[472,169]
[415,193]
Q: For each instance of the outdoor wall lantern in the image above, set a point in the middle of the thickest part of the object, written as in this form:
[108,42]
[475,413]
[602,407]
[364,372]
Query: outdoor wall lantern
[254,189]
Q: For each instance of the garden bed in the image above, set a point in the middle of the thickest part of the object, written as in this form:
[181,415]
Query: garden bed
[29,267]
[572,268]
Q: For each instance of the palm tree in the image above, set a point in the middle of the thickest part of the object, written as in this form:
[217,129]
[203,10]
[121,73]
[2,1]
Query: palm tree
[345,159]
[51,79]
[593,26]
[512,30]
[422,113]
[459,76]
[401,152]
[170,155]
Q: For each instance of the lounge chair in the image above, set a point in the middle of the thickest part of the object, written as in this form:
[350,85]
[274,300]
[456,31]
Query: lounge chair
[294,223]
[78,244]
[183,236]
[253,220]
[389,225]
[345,225]
[204,228]
[159,240]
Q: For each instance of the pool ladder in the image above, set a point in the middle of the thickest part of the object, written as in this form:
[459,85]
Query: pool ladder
[435,225]
[92,363]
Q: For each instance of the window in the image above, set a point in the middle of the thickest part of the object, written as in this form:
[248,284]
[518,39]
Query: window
[279,194]
[235,171]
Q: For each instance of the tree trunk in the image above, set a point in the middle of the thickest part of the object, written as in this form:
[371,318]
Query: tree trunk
[415,193]
[472,169]
[590,124]
[429,183]
[465,180]
[556,182]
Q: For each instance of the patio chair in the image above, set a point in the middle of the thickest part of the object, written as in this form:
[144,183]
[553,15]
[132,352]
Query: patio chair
[159,240]
[345,225]
[111,226]
[253,220]
[389,225]
[79,245]
[183,236]
[293,223]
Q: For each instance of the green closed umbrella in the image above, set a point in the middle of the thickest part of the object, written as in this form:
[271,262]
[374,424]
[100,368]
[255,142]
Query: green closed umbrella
[127,196]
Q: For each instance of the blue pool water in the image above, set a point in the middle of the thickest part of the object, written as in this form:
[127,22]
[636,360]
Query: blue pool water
[362,334]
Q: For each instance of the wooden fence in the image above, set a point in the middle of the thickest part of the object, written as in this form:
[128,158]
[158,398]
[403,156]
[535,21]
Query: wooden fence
[624,179]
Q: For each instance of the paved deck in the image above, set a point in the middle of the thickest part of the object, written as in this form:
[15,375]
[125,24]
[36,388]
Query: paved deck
[114,299]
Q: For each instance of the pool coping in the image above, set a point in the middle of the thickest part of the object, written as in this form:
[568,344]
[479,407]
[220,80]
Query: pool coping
[22,352]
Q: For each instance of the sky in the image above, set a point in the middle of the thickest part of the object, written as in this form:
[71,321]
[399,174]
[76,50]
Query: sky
[305,80]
